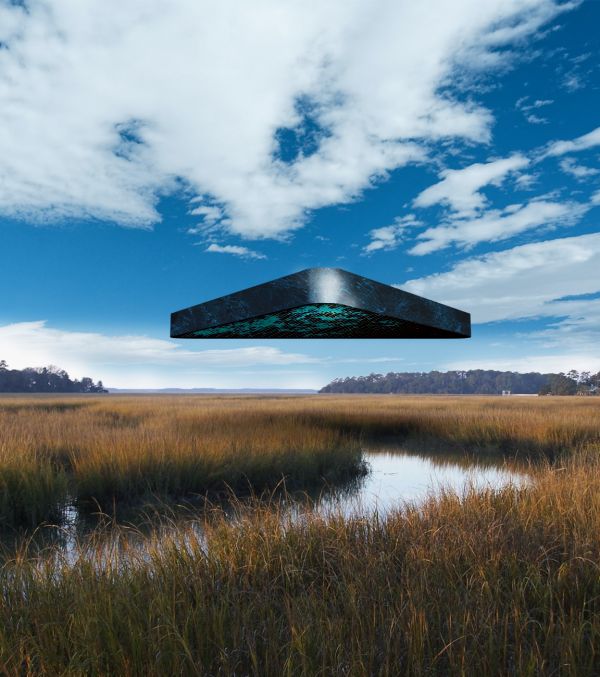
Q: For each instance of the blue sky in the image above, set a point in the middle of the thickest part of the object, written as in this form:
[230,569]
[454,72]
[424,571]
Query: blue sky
[155,155]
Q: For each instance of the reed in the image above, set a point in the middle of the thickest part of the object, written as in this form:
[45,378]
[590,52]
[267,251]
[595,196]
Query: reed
[107,450]
[98,452]
[504,582]
[492,582]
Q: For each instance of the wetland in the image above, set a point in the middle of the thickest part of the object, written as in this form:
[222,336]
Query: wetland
[308,535]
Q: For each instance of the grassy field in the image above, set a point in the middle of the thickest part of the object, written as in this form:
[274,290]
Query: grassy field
[100,451]
[497,582]
[108,450]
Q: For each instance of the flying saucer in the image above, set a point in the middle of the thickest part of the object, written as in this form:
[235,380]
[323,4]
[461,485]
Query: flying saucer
[320,303]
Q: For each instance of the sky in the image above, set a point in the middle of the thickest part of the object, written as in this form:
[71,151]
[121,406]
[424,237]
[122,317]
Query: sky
[155,155]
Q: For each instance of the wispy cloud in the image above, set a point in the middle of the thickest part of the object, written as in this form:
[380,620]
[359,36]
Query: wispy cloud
[526,281]
[549,363]
[468,220]
[583,142]
[459,189]
[499,224]
[536,119]
[580,172]
[27,344]
[235,250]
[528,107]
[389,237]
[138,361]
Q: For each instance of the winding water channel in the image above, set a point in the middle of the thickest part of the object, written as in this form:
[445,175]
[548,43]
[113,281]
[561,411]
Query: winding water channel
[395,477]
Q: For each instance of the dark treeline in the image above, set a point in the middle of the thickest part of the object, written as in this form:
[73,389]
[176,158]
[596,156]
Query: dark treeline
[44,380]
[474,382]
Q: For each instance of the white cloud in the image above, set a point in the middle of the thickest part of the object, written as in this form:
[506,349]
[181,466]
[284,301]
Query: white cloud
[545,364]
[130,361]
[236,250]
[583,142]
[389,237]
[525,281]
[107,105]
[580,328]
[572,82]
[121,361]
[580,172]
[526,181]
[368,360]
[459,188]
[524,105]
[536,119]
[499,224]
[555,280]
[210,215]
[528,107]
[383,238]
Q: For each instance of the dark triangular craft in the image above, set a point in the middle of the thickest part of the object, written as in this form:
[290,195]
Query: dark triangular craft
[321,303]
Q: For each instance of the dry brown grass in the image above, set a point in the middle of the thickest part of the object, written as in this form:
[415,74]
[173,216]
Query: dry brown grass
[494,583]
[498,582]
[118,448]
[102,450]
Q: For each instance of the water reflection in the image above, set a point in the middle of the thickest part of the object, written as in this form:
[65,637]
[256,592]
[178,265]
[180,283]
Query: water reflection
[395,476]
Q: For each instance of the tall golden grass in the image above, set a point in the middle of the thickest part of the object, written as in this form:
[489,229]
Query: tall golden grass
[116,450]
[495,582]
[106,450]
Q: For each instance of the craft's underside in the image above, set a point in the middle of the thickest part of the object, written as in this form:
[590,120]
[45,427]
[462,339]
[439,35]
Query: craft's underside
[321,320]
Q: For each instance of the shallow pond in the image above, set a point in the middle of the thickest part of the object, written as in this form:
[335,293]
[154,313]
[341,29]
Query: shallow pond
[397,476]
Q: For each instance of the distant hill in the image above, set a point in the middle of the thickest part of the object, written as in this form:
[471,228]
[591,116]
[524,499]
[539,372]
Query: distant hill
[472,382]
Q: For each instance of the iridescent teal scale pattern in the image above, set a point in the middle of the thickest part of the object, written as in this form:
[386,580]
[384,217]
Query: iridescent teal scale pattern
[322,320]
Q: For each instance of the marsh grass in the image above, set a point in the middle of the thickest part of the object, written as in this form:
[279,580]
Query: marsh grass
[503,582]
[100,451]
[495,582]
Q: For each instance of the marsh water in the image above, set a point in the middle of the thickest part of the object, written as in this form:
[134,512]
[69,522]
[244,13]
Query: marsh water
[395,476]
[399,476]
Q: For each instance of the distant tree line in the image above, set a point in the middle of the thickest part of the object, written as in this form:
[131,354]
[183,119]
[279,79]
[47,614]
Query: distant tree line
[44,380]
[472,382]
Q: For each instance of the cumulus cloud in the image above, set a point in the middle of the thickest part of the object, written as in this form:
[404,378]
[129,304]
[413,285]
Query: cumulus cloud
[107,106]
[532,280]
[236,250]
[459,189]
[499,224]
